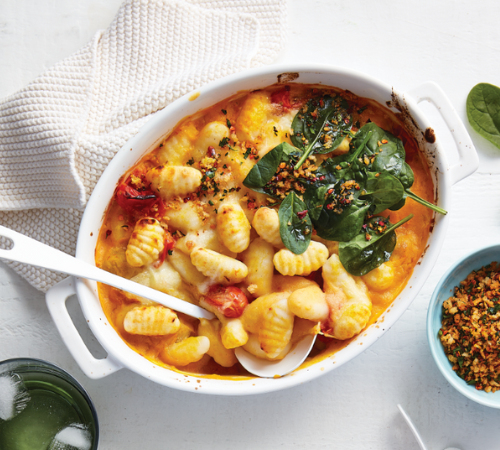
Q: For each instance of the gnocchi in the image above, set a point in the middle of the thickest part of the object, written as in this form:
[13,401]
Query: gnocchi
[288,263]
[152,320]
[184,220]
[146,243]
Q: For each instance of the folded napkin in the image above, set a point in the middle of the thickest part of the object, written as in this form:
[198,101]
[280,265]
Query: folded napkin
[59,133]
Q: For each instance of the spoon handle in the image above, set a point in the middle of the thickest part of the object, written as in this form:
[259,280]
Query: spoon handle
[413,428]
[29,251]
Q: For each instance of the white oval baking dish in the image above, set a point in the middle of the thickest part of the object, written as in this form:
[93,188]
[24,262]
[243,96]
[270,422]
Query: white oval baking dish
[120,355]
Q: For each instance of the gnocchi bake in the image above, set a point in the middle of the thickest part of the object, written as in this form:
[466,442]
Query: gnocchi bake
[286,211]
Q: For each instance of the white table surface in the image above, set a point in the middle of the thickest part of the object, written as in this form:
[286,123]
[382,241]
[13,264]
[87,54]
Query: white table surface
[454,43]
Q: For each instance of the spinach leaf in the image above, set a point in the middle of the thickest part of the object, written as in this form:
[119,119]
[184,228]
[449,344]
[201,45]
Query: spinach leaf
[420,200]
[361,255]
[386,154]
[383,191]
[295,224]
[320,126]
[341,226]
[343,212]
[348,159]
[386,150]
[406,176]
[483,111]
[266,168]
[315,197]
[327,177]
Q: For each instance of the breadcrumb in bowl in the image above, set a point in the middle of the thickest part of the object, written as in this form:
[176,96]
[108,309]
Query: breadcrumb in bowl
[445,290]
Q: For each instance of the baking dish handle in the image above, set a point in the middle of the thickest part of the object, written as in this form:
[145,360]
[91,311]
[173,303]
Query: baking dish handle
[468,161]
[56,302]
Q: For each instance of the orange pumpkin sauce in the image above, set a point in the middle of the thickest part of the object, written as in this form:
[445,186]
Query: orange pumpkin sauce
[411,238]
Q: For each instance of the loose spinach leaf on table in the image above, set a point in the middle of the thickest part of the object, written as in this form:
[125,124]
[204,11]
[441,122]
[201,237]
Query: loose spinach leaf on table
[361,255]
[266,168]
[483,111]
[321,126]
[295,224]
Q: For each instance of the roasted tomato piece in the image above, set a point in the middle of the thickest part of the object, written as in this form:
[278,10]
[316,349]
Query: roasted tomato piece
[282,97]
[229,300]
[168,244]
[131,199]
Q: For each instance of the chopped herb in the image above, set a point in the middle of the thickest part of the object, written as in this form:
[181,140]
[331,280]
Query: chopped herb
[223,142]
[224,111]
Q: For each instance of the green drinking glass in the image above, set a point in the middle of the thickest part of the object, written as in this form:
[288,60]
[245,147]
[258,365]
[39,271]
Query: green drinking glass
[42,407]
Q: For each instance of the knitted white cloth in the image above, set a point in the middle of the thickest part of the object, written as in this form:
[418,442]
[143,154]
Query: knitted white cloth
[58,134]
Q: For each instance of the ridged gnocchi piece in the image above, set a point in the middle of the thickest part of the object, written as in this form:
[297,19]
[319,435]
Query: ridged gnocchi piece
[380,278]
[259,260]
[251,317]
[233,334]
[212,330]
[347,297]
[282,283]
[163,278]
[253,117]
[185,352]
[210,136]
[186,217]
[309,303]
[233,227]
[288,263]
[270,318]
[267,225]
[276,327]
[146,242]
[220,268]
[253,347]
[202,238]
[151,320]
[176,149]
[171,181]
[332,246]
[185,268]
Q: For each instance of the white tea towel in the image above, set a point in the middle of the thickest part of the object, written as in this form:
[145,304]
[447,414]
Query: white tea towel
[58,134]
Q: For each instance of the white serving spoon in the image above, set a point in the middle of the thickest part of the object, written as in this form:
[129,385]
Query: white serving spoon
[413,428]
[29,251]
[275,369]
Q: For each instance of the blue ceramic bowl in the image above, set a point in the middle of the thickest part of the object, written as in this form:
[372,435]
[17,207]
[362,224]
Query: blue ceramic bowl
[442,292]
